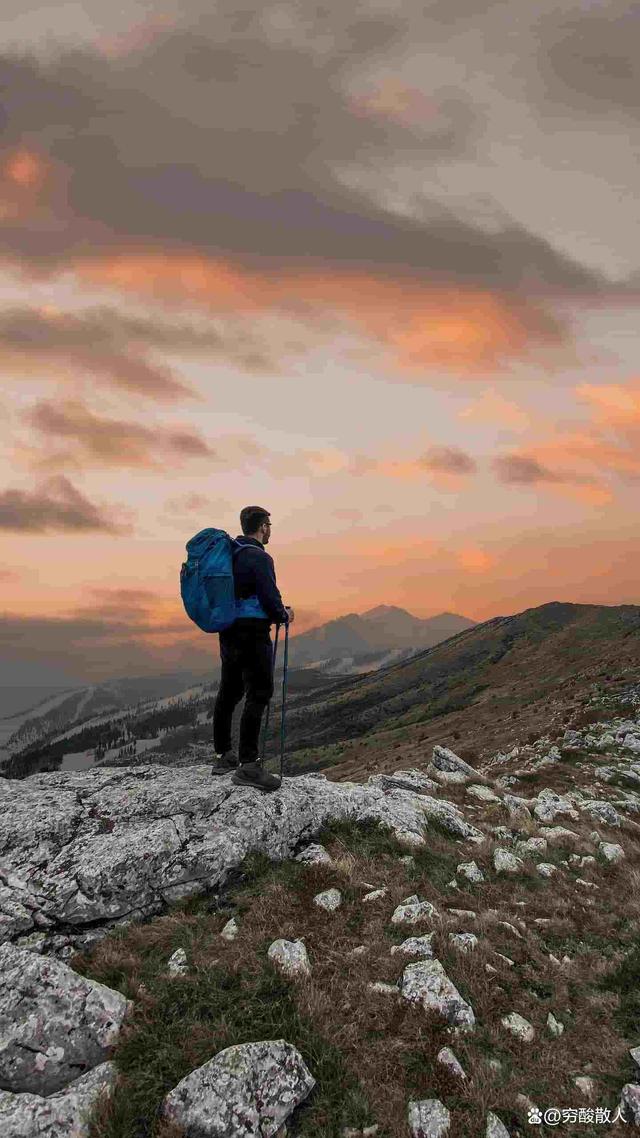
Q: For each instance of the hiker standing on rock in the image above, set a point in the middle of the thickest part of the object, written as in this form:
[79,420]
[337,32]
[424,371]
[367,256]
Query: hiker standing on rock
[246,654]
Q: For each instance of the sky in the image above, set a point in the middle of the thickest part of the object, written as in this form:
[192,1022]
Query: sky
[373,267]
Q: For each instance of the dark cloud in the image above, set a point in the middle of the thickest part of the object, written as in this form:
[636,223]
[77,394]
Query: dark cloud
[109,346]
[56,507]
[448,460]
[524,470]
[587,61]
[225,135]
[97,441]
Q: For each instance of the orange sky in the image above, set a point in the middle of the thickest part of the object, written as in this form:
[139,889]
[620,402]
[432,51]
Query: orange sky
[389,311]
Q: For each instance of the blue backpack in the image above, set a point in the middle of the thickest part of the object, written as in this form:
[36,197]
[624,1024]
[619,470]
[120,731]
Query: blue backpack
[206,582]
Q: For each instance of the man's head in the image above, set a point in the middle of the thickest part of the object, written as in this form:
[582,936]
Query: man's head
[255,523]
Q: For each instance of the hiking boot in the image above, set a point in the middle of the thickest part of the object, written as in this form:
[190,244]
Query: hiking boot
[252,774]
[224,763]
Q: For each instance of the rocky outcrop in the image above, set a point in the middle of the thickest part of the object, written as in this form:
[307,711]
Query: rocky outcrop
[54,1024]
[84,851]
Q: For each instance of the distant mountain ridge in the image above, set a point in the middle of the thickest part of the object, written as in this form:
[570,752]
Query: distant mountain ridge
[348,645]
[366,637]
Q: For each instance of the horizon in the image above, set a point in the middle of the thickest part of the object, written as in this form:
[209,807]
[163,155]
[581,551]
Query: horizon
[390,310]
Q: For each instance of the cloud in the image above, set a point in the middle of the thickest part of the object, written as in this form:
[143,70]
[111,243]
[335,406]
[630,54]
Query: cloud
[91,440]
[120,632]
[56,507]
[520,469]
[587,62]
[112,348]
[448,460]
[420,323]
[192,146]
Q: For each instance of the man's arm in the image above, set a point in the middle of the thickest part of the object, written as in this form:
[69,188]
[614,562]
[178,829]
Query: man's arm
[266,589]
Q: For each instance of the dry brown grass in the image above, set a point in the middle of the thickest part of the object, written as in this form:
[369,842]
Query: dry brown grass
[389,1045]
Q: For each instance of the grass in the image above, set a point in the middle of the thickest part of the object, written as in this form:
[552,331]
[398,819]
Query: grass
[370,1053]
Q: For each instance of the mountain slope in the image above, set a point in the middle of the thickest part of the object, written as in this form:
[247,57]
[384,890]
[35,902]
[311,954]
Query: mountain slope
[369,636]
[498,676]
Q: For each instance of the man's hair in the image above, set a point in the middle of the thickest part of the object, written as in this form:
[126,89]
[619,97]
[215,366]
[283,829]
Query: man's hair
[252,517]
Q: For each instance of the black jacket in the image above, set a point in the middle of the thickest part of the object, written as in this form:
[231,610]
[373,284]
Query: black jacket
[254,573]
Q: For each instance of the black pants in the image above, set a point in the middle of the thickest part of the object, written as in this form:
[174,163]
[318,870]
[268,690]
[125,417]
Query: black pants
[246,656]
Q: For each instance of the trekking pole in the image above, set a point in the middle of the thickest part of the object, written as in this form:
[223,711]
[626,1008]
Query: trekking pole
[284,697]
[273,675]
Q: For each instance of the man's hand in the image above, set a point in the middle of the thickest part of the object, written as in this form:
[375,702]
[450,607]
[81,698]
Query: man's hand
[290,614]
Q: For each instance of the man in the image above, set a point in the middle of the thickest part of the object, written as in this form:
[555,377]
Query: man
[246,654]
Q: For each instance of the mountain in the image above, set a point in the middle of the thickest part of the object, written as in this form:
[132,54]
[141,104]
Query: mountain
[502,678]
[348,645]
[361,642]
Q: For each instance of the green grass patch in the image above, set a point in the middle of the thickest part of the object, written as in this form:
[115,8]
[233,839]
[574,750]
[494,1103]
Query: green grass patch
[624,980]
[183,1023]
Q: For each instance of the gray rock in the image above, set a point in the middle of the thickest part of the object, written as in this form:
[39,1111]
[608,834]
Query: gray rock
[54,1024]
[585,1085]
[427,983]
[450,818]
[447,1058]
[329,899]
[555,1026]
[518,1026]
[375,895]
[484,793]
[230,930]
[517,807]
[415,946]
[602,811]
[245,1090]
[546,868]
[60,1115]
[559,835]
[471,871]
[495,1127]
[506,862]
[464,942]
[550,804]
[290,957]
[383,988]
[531,847]
[630,1102]
[314,854]
[72,840]
[428,1118]
[446,760]
[409,840]
[412,910]
[415,780]
[177,963]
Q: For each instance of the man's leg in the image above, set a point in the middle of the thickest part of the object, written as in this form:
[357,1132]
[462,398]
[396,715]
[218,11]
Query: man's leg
[258,661]
[230,692]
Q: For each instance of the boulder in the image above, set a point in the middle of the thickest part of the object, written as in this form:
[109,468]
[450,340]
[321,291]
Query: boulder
[412,910]
[519,1026]
[427,983]
[445,759]
[550,805]
[54,1024]
[61,1115]
[247,1089]
[290,957]
[428,1118]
